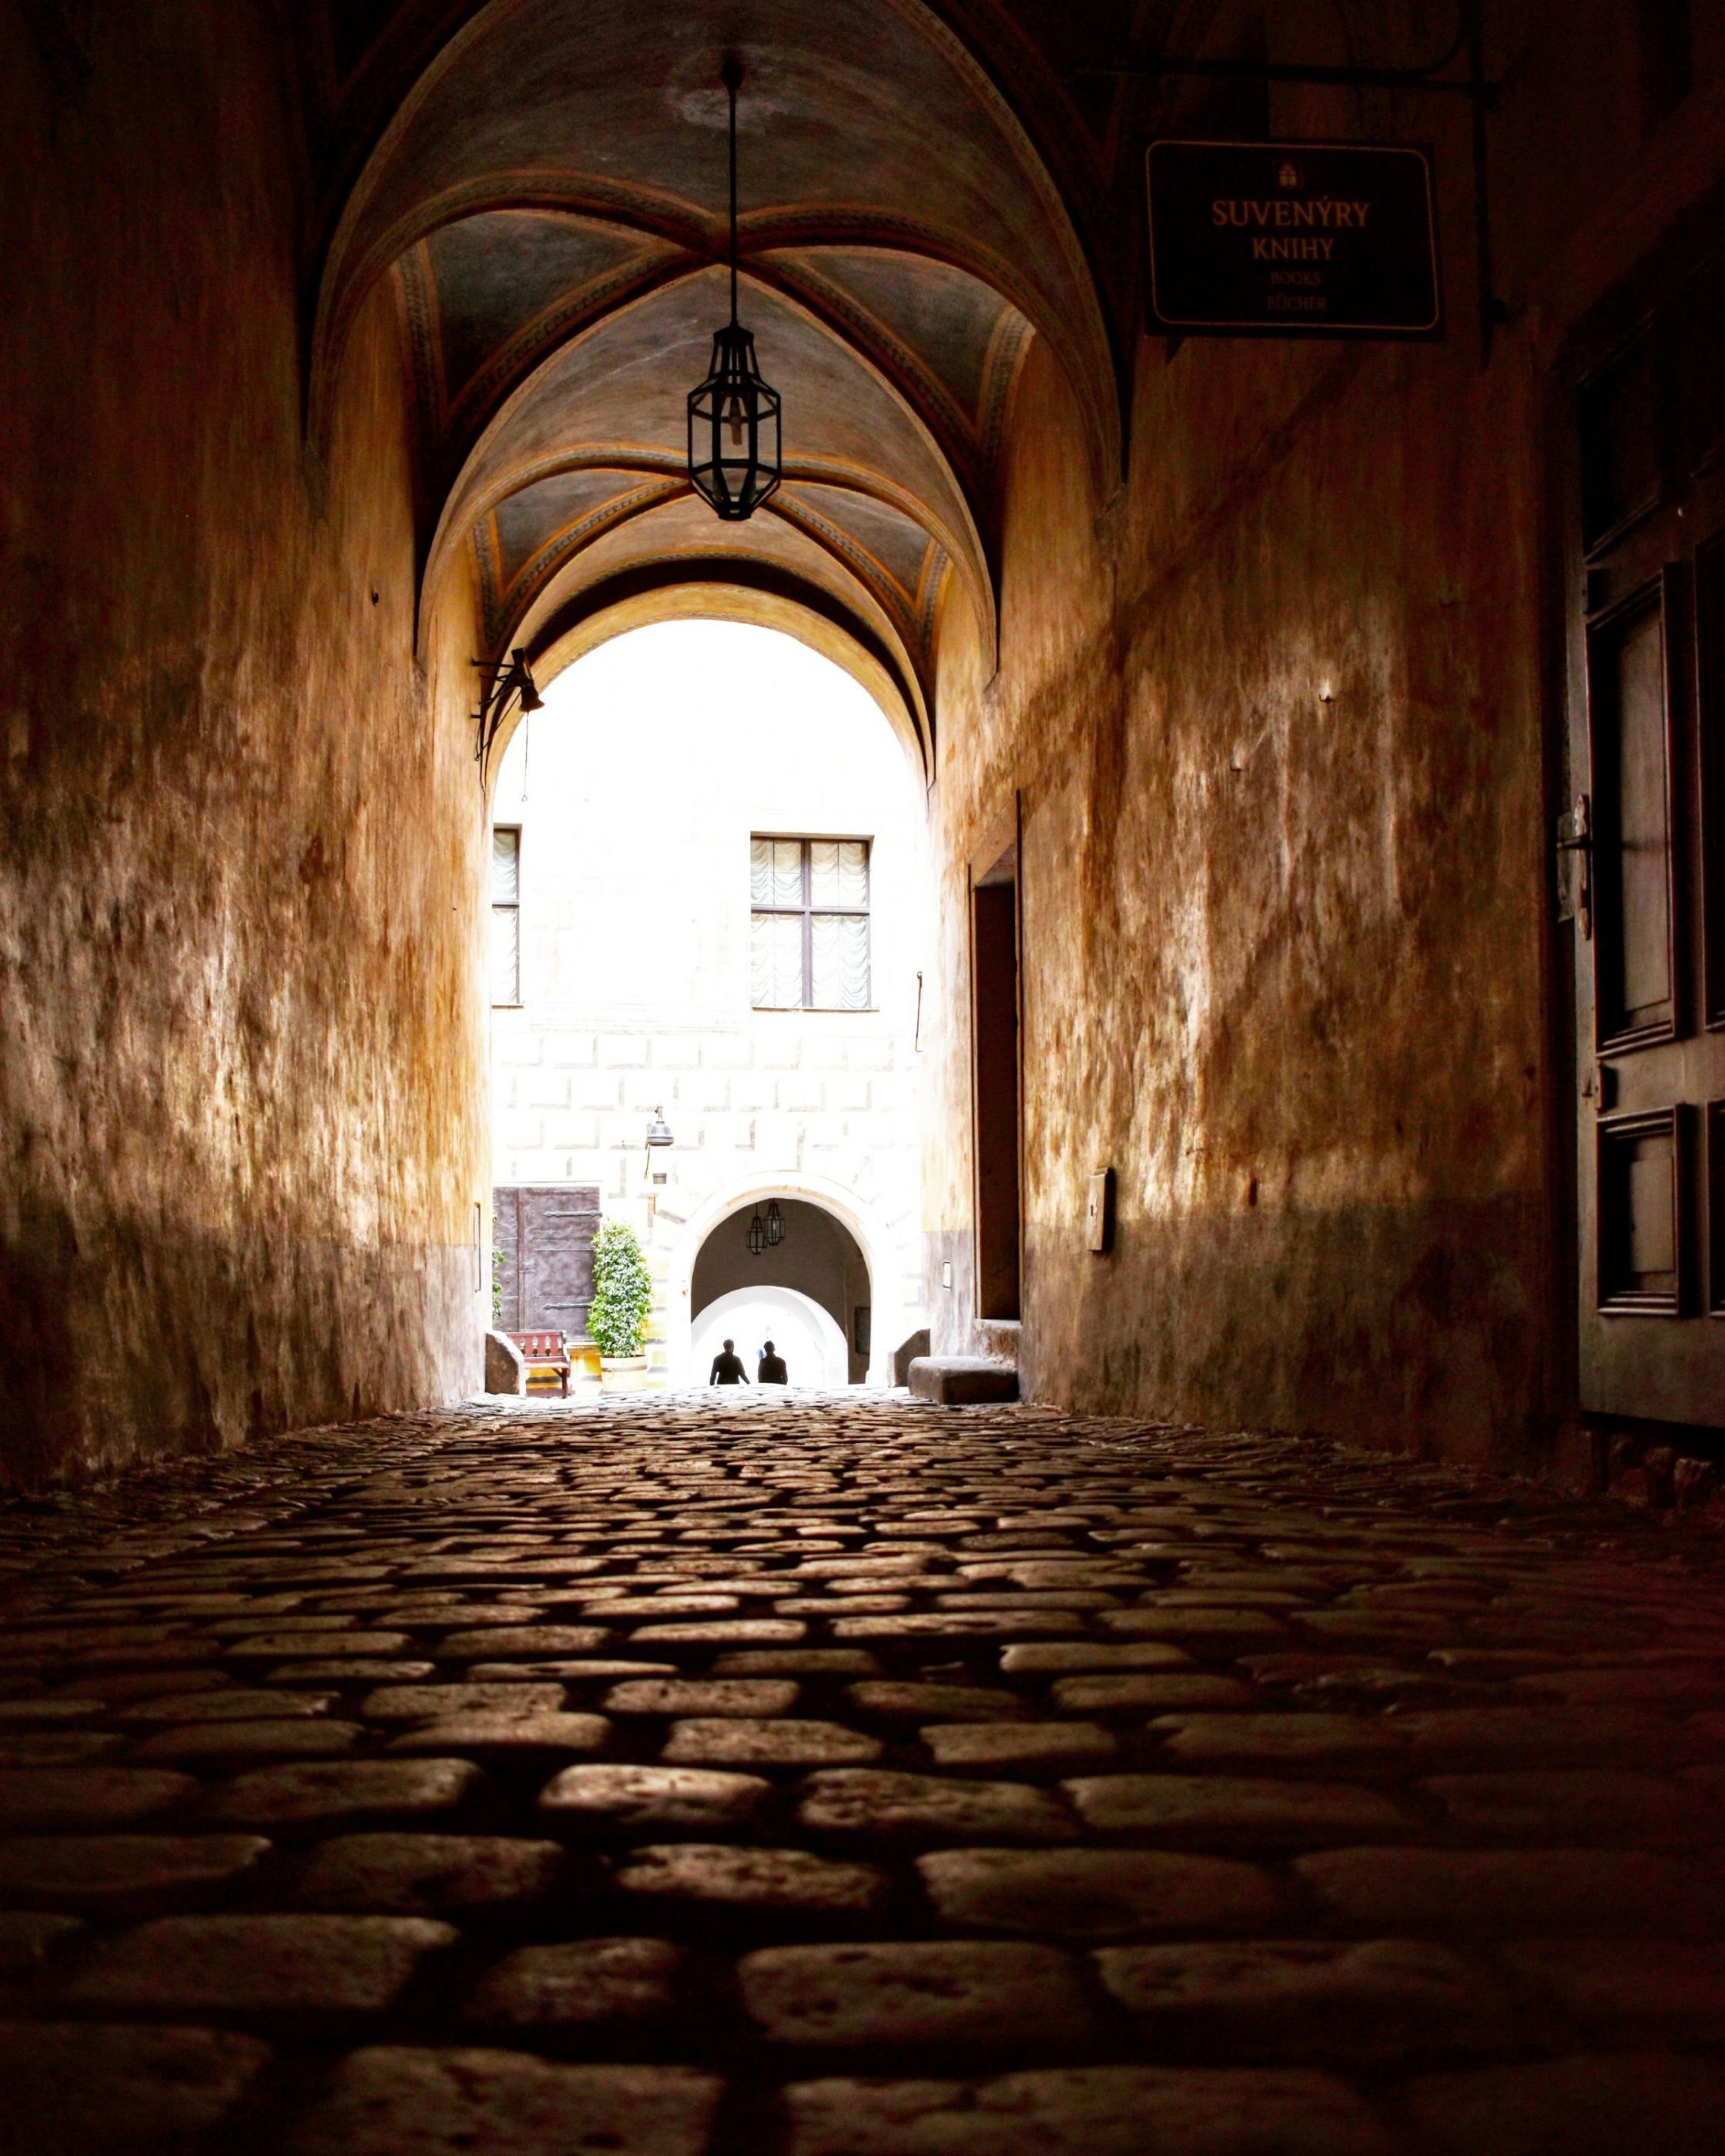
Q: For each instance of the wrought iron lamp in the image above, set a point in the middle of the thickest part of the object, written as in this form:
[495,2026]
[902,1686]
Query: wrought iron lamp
[498,685]
[775,1222]
[659,1143]
[757,1235]
[734,456]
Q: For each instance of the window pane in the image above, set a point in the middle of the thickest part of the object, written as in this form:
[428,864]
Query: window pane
[841,961]
[505,866]
[776,961]
[505,954]
[839,872]
[776,872]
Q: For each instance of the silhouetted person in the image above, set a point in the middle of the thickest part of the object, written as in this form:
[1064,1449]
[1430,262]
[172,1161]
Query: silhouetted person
[727,1368]
[772,1370]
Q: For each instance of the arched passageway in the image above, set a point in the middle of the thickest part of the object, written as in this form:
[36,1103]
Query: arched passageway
[1319,743]
[819,1257]
[351,348]
[546,206]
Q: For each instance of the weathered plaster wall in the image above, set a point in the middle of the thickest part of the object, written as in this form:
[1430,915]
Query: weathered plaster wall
[242,1081]
[1277,716]
[1274,717]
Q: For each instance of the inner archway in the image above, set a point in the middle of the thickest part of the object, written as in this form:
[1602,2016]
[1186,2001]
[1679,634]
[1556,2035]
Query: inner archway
[813,1349]
[819,1259]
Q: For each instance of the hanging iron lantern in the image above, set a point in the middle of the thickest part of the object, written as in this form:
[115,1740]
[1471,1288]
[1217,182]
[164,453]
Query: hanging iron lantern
[775,1222]
[734,458]
[757,1235]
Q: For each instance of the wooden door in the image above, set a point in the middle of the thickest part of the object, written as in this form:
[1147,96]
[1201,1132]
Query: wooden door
[995,1086]
[543,1233]
[1643,848]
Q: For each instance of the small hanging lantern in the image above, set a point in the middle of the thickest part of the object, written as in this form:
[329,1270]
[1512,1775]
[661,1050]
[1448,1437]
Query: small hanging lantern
[757,1235]
[734,458]
[775,1222]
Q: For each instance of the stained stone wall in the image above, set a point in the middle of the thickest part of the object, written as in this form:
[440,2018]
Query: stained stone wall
[241,1083]
[1275,718]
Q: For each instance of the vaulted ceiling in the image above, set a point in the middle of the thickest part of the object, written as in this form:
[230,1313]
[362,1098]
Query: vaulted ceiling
[543,185]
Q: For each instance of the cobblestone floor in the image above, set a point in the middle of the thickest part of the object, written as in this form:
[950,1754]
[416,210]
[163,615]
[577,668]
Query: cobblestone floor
[777,1778]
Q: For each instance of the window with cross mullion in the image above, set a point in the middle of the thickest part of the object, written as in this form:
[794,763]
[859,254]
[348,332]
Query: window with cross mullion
[808,941]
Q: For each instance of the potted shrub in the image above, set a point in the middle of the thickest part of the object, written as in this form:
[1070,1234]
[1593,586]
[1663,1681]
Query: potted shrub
[622,1297]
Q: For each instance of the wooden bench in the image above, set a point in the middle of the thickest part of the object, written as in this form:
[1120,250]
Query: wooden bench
[545,1351]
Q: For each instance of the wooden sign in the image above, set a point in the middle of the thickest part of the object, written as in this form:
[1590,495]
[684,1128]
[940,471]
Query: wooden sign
[1292,239]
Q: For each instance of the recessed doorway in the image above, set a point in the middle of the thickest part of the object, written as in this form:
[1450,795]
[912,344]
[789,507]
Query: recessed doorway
[994,1036]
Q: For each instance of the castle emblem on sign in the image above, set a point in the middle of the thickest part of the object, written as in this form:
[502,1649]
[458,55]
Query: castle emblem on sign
[1288,174]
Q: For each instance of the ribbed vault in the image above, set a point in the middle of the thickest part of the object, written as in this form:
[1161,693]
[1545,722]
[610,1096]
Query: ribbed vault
[545,197]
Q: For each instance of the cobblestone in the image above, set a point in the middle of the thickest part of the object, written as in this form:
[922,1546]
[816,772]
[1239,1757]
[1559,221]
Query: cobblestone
[71,2089]
[1095,1894]
[585,1983]
[958,1995]
[427,1874]
[263,1966]
[783,1879]
[390,2099]
[1383,2000]
[1086,1789]
[123,1874]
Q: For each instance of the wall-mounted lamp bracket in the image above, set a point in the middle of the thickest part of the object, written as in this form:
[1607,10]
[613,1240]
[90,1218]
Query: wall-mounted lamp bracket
[499,687]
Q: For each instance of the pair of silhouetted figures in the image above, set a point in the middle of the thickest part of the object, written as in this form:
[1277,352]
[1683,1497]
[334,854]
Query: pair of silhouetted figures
[727,1367]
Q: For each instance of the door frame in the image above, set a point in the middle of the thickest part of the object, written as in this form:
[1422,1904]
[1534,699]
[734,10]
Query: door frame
[1588,1107]
[997,860]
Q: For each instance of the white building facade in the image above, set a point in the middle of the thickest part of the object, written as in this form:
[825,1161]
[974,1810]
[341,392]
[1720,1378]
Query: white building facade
[710,888]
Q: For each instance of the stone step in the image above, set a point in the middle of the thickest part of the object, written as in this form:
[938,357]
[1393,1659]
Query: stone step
[961,1381]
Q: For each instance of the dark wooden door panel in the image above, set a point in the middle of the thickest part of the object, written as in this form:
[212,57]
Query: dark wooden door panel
[1643,1189]
[548,1260]
[1630,754]
[1716,1208]
[1647,745]
[1710,718]
[994,1021]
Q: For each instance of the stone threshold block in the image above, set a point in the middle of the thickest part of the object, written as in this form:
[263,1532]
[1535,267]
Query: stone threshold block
[962,1381]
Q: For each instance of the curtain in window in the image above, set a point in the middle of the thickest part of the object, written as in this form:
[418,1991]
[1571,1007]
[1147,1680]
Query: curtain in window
[839,872]
[776,872]
[841,961]
[505,866]
[776,959]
